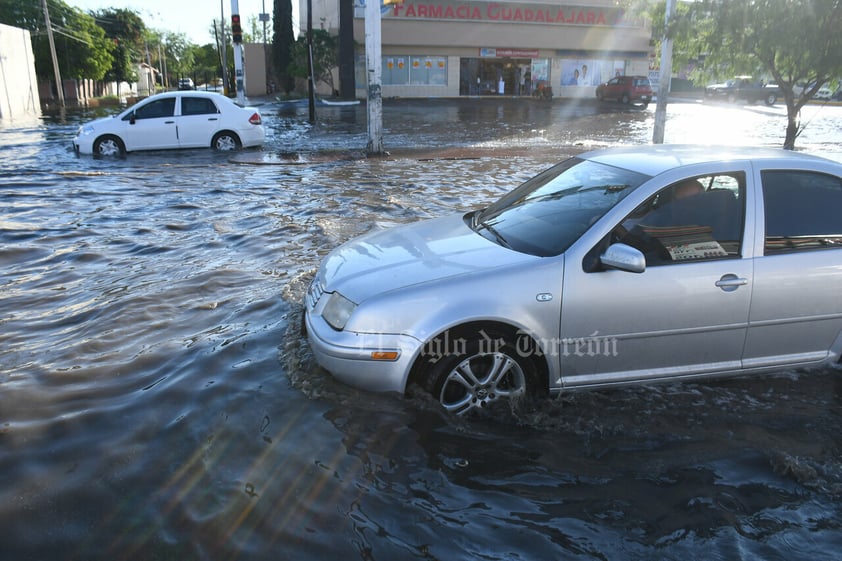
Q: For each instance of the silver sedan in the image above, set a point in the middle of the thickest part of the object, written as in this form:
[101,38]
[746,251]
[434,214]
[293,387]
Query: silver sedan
[630,265]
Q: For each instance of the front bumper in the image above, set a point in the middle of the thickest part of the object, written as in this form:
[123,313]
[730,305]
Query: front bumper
[348,356]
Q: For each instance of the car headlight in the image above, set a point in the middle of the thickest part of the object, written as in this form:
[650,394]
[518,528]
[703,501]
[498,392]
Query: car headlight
[338,310]
[85,130]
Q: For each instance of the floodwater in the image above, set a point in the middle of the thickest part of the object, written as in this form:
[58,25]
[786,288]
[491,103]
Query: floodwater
[158,401]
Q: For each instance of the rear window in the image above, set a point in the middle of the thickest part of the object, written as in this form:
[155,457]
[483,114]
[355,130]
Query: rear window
[802,211]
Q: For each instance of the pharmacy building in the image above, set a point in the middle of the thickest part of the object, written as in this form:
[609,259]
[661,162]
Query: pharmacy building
[451,48]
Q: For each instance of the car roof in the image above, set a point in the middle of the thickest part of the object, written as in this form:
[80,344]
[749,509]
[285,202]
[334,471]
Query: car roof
[654,159]
[191,93]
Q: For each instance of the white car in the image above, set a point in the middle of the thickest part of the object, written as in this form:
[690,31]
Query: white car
[189,119]
[824,94]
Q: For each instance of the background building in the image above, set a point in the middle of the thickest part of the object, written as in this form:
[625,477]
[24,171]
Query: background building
[454,48]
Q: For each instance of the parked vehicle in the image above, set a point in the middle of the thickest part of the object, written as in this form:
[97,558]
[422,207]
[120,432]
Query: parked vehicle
[626,89]
[186,84]
[744,88]
[618,266]
[173,120]
[824,94]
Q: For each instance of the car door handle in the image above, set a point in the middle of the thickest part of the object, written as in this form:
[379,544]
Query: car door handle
[212,119]
[168,122]
[730,283]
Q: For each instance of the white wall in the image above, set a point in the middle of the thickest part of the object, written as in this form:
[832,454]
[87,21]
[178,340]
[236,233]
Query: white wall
[18,85]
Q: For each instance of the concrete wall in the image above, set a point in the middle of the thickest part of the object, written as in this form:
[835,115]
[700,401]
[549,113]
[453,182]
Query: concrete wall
[255,69]
[18,85]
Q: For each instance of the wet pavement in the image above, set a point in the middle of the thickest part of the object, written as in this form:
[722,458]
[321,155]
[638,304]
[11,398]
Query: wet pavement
[157,399]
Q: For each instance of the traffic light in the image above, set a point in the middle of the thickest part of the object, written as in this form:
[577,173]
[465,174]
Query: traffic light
[236,29]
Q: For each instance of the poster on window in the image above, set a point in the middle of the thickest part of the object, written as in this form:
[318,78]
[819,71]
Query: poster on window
[589,72]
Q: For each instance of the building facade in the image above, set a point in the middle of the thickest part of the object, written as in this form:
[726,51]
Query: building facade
[451,48]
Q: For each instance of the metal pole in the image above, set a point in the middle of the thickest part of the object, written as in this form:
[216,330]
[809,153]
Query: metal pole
[239,74]
[264,17]
[374,69]
[59,84]
[665,79]
[225,82]
[311,87]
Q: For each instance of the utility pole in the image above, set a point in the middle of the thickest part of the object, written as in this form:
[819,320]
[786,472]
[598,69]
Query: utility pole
[374,70]
[224,50]
[311,87]
[264,17]
[59,84]
[665,79]
[237,37]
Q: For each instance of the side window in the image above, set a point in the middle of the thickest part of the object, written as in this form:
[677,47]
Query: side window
[694,219]
[197,106]
[156,109]
[802,211]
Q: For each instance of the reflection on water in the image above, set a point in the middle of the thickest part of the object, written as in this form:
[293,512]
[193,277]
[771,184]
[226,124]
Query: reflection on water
[157,399]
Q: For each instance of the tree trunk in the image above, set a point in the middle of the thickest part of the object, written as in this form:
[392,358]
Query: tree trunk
[792,125]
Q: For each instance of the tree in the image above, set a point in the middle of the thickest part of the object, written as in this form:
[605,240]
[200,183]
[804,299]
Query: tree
[84,50]
[792,41]
[126,30]
[177,49]
[206,65]
[282,43]
[325,57]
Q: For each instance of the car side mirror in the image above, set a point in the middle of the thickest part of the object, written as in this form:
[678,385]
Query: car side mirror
[623,257]
[132,118]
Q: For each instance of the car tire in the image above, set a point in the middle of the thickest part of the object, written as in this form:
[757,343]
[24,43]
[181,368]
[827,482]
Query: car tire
[625,99]
[770,99]
[109,146]
[473,369]
[226,141]
[599,96]
[732,98]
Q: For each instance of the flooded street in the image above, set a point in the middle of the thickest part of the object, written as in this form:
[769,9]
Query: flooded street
[158,400]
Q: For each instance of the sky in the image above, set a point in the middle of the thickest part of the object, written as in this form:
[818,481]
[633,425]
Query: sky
[194,18]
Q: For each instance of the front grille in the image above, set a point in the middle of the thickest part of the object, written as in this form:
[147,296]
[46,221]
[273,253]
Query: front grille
[314,293]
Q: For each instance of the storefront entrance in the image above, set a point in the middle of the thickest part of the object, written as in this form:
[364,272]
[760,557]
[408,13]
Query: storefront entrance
[482,76]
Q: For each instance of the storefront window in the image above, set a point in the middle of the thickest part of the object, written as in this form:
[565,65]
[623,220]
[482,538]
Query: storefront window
[403,70]
[540,73]
[428,71]
[395,70]
[590,72]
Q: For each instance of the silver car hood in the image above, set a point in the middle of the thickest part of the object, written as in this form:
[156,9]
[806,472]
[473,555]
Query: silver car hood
[425,251]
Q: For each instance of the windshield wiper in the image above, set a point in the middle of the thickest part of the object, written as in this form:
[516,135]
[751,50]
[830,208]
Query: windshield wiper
[497,235]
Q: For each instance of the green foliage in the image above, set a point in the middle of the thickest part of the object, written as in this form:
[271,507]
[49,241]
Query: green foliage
[325,57]
[84,51]
[126,30]
[282,43]
[788,41]
[206,65]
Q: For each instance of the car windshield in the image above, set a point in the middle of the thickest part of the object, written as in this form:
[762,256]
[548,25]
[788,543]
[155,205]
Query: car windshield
[545,215]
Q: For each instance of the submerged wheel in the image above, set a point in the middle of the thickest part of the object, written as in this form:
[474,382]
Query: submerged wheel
[483,367]
[225,142]
[771,99]
[109,146]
